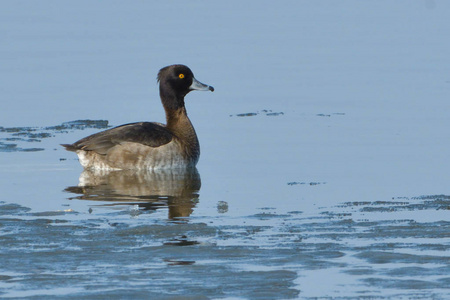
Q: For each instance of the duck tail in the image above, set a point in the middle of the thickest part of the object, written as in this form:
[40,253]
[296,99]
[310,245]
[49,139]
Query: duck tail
[70,147]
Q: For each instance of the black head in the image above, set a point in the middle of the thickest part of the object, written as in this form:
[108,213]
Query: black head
[177,81]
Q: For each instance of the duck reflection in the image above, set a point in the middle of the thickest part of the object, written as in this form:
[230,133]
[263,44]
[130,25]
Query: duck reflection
[176,189]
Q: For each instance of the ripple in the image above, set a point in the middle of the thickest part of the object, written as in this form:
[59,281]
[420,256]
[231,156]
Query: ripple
[26,135]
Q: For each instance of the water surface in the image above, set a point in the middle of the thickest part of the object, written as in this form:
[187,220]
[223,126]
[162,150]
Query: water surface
[323,173]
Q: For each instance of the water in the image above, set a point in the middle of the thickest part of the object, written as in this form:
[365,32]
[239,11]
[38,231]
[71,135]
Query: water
[323,171]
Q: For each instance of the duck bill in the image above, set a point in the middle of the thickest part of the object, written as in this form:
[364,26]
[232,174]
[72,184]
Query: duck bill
[198,86]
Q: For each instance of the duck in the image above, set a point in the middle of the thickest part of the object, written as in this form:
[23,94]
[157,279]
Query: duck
[149,145]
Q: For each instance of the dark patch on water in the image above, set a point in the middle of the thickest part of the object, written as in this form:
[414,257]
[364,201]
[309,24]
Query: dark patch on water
[80,125]
[266,112]
[181,241]
[437,202]
[329,115]
[267,208]
[27,135]
[390,257]
[245,115]
[305,183]
[5,147]
[12,209]
[408,285]
[173,262]
[53,213]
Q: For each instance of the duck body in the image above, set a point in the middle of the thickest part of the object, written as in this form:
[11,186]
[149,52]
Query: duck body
[141,145]
[148,145]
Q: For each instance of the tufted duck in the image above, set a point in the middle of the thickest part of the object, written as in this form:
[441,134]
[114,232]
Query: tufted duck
[148,145]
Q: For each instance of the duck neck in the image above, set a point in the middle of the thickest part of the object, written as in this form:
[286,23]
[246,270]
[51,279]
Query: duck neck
[178,122]
[180,125]
[176,115]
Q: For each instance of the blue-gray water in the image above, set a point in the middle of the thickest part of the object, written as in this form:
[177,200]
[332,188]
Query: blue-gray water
[324,168]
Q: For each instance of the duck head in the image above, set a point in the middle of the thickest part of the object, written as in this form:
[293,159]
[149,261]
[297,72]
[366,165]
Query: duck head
[175,82]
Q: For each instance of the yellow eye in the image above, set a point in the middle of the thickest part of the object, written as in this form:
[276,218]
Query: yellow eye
[181,76]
